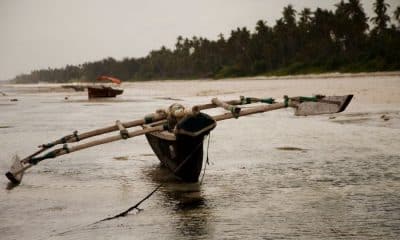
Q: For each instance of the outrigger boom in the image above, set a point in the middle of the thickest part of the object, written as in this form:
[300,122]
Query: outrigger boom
[176,134]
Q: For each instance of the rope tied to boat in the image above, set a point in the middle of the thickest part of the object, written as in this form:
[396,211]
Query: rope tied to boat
[247,100]
[175,113]
[235,111]
[65,147]
[268,100]
[122,130]
[51,154]
[207,159]
[63,140]
[136,206]
[150,118]
[286,100]
[76,135]
[244,100]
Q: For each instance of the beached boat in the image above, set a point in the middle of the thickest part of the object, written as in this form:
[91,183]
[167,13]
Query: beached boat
[103,91]
[182,152]
[176,134]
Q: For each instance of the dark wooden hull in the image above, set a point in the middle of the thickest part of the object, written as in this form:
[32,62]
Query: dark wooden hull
[103,92]
[182,156]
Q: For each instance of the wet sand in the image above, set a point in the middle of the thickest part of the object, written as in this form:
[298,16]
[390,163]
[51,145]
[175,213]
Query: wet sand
[271,175]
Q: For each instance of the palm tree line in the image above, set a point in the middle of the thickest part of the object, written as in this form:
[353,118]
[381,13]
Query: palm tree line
[303,41]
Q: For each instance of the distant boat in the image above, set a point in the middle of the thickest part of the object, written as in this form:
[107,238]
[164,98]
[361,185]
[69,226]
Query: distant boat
[103,91]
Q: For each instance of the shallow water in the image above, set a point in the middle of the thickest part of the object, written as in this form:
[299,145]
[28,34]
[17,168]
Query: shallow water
[271,175]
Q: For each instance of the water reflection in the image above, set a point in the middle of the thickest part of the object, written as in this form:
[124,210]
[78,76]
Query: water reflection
[187,203]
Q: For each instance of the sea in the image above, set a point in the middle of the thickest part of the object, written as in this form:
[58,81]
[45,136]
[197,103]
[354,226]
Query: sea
[272,175]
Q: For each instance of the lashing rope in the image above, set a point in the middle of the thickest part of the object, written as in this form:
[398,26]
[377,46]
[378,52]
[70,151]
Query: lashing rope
[207,159]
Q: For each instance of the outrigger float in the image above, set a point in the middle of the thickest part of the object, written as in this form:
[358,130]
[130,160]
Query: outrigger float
[176,134]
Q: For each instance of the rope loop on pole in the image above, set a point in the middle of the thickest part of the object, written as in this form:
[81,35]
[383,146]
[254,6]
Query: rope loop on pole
[76,135]
[235,111]
[65,147]
[148,119]
[286,98]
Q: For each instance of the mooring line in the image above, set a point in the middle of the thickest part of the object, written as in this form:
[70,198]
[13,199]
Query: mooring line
[207,159]
[122,214]
[136,206]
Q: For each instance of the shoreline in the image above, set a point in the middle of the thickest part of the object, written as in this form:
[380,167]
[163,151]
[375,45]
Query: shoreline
[259,77]
[330,75]
[369,88]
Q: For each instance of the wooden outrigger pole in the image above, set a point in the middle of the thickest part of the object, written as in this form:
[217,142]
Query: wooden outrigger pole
[176,134]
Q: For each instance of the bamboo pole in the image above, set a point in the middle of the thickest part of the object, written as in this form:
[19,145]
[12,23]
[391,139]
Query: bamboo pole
[198,108]
[66,150]
[154,118]
[122,130]
[114,138]
[135,123]
[78,137]
[156,123]
[233,109]
[249,111]
[158,128]
[243,100]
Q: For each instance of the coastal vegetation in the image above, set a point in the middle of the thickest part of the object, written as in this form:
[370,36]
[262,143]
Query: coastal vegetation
[301,41]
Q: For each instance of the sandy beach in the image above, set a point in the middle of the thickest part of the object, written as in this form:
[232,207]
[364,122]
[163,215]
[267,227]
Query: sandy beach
[272,175]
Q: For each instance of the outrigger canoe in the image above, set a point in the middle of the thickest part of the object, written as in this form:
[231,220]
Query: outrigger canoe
[176,134]
[102,91]
[182,152]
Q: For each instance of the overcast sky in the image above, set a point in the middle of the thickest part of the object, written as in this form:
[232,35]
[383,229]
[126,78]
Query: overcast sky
[36,34]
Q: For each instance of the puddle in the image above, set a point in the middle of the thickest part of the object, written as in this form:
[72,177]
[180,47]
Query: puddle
[286,148]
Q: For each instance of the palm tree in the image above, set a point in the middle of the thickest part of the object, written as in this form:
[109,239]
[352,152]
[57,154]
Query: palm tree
[382,19]
[357,16]
[289,15]
[305,17]
[261,27]
[397,14]
[179,41]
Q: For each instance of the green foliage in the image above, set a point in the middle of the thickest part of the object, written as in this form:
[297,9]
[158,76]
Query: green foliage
[396,14]
[381,19]
[230,71]
[319,41]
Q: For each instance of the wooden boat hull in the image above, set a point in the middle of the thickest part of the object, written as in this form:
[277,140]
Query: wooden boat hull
[103,92]
[182,152]
[183,156]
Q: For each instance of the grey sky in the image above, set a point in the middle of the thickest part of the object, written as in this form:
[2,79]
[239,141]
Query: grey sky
[38,34]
